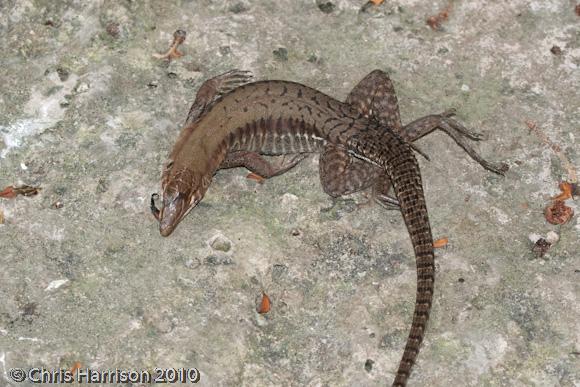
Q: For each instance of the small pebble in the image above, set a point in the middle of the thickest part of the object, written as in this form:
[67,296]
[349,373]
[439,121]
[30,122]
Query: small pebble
[55,284]
[82,88]
[281,54]
[552,237]
[220,243]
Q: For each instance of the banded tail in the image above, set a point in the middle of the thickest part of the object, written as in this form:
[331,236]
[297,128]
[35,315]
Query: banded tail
[385,148]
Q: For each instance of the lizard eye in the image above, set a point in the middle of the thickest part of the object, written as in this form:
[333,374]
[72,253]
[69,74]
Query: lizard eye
[169,165]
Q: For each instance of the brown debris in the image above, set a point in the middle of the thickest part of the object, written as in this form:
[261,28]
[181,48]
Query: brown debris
[435,21]
[113,29]
[255,177]
[265,304]
[577,9]
[173,52]
[11,192]
[541,247]
[1,217]
[558,212]
[556,50]
[567,190]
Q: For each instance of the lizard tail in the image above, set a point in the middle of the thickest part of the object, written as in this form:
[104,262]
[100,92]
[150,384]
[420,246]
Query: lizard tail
[389,151]
[405,175]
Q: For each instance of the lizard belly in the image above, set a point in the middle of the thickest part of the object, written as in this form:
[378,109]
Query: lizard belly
[276,137]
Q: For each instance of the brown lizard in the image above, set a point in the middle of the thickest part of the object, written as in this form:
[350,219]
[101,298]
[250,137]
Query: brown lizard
[362,143]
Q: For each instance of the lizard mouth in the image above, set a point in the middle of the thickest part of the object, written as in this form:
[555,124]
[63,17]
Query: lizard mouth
[175,206]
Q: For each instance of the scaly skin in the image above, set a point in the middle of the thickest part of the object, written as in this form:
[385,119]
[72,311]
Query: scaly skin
[363,136]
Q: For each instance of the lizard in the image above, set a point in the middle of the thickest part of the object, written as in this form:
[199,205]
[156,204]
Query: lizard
[235,123]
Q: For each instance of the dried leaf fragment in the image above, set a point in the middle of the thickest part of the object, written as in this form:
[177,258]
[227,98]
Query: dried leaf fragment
[441,242]
[369,4]
[173,52]
[75,367]
[265,304]
[11,192]
[566,189]
[255,177]
[558,212]
[1,217]
[435,21]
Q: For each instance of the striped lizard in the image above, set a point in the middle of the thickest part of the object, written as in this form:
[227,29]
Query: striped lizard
[361,141]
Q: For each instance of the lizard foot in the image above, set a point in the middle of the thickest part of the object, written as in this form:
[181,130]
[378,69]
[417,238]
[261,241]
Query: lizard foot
[233,79]
[387,202]
[446,118]
[283,166]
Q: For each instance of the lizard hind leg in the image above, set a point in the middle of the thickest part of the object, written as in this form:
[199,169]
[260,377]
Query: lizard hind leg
[342,174]
[454,129]
[374,97]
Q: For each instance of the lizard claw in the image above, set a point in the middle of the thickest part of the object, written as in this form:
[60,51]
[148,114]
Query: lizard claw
[285,166]
[499,168]
[388,202]
[418,150]
[446,118]
[233,79]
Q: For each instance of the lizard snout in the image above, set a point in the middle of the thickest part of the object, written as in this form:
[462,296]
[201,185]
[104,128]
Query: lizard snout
[174,208]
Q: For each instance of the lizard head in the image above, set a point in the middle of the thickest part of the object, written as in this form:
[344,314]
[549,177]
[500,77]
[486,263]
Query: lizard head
[182,190]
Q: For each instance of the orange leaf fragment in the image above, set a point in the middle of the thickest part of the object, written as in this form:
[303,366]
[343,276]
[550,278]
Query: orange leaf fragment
[173,52]
[8,193]
[441,242]
[435,21]
[265,304]
[566,189]
[377,2]
[11,192]
[255,177]
[75,367]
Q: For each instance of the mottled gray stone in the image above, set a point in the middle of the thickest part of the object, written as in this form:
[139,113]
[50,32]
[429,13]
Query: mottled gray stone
[88,114]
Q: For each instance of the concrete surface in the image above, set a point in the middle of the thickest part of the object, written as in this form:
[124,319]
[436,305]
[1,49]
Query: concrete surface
[89,115]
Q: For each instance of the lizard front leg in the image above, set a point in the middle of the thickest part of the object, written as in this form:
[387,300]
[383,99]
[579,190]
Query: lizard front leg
[213,88]
[208,93]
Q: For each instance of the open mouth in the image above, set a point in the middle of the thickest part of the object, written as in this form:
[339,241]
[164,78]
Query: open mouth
[154,210]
